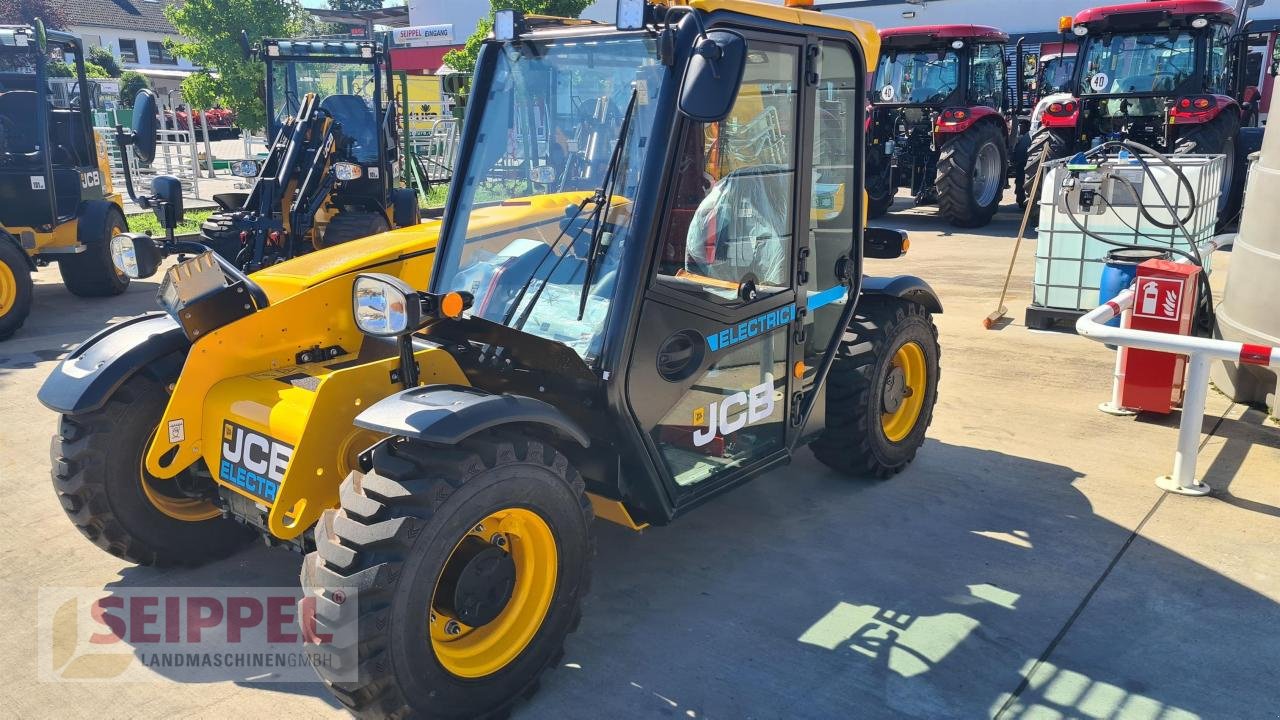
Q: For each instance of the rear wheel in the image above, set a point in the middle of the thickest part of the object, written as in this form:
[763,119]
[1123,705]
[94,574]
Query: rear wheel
[98,473]
[471,563]
[16,287]
[1059,144]
[91,273]
[880,191]
[882,389]
[352,225]
[1218,137]
[971,175]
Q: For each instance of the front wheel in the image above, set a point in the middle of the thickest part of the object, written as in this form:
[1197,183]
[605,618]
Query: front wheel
[971,175]
[471,563]
[881,390]
[100,478]
[91,273]
[350,225]
[1058,144]
[16,287]
[880,190]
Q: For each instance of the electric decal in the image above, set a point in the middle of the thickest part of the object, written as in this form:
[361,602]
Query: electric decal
[756,326]
[253,462]
[734,412]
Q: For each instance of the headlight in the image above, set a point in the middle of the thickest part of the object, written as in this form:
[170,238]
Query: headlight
[245,168]
[135,255]
[345,171]
[385,306]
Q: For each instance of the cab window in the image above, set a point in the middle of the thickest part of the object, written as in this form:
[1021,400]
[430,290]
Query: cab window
[986,76]
[728,236]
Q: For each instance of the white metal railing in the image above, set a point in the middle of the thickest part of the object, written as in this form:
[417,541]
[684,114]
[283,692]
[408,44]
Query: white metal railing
[1201,352]
[436,147]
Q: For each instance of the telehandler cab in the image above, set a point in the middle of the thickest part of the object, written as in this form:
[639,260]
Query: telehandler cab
[648,289]
[56,200]
[330,169]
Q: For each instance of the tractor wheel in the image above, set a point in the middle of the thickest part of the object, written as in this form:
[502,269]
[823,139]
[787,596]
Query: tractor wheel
[16,287]
[91,273]
[971,175]
[1218,136]
[352,225]
[471,565]
[880,193]
[221,232]
[98,474]
[881,390]
[1059,144]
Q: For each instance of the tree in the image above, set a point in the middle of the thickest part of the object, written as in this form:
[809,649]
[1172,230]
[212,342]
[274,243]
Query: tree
[464,60]
[355,5]
[103,58]
[130,83]
[21,12]
[215,27]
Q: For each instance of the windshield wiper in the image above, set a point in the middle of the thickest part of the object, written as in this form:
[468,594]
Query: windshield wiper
[604,201]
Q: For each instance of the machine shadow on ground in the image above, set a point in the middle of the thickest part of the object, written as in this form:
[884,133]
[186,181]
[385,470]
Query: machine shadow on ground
[807,594]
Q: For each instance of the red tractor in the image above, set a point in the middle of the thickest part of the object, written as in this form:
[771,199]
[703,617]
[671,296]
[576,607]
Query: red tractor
[939,121]
[1169,74]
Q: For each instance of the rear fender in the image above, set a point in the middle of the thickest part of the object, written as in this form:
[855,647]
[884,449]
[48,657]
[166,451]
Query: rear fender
[449,414]
[92,372]
[905,287]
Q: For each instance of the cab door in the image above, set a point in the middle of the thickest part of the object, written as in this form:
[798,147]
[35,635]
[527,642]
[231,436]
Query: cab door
[719,366]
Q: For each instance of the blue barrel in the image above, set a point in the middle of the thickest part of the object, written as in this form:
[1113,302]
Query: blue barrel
[1122,267]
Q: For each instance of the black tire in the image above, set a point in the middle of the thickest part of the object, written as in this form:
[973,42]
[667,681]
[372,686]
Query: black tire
[1059,144]
[350,225]
[956,163]
[91,273]
[1218,136]
[97,474]
[1018,166]
[880,191]
[221,232]
[854,441]
[396,529]
[16,290]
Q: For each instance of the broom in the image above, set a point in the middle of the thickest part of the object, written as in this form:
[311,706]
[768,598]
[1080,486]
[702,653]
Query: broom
[1001,310]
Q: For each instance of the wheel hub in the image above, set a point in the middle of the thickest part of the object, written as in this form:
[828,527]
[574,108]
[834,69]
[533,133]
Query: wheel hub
[895,390]
[478,582]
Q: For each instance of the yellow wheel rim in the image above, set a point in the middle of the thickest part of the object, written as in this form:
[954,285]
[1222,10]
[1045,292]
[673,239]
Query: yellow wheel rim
[184,509]
[477,652]
[902,396]
[8,289]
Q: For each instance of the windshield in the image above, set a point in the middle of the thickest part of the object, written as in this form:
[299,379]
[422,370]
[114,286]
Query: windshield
[1127,63]
[538,195]
[916,77]
[291,81]
[1055,74]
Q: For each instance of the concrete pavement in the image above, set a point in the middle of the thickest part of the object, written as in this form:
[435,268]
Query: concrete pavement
[1025,566]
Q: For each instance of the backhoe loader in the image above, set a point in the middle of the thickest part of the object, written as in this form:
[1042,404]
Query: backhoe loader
[647,288]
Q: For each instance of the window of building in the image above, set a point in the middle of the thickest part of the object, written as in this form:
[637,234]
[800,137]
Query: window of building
[128,50]
[160,54]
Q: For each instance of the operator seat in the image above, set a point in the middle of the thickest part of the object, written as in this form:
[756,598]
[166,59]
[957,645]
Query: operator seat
[743,226]
[19,107]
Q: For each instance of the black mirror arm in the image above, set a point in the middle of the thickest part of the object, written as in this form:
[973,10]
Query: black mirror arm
[123,140]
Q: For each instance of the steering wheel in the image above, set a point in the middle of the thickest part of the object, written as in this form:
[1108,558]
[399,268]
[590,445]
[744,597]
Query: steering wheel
[940,95]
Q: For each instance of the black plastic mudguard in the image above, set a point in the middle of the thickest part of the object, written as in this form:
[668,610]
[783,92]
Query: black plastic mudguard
[907,287]
[84,380]
[449,414]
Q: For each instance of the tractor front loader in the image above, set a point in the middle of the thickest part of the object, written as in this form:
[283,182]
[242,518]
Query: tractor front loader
[646,289]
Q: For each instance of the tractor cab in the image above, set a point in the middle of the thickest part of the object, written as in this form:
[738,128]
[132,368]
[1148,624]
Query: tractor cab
[56,199]
[935,85]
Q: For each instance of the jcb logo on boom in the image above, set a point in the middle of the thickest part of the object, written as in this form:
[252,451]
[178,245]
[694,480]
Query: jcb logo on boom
[734,412]
[252,462]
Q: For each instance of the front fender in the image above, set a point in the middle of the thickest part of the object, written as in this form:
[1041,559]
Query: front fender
[906,287]
[449,414]
[84,379]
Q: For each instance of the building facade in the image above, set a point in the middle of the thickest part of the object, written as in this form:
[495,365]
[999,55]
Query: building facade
[135,31]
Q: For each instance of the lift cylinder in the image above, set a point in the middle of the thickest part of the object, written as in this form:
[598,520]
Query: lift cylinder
[1248,310]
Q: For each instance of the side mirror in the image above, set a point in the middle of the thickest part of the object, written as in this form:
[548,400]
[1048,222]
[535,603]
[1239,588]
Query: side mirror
[884,243]
[135,255]
[144,126]
[167,200]
[713,75]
